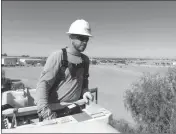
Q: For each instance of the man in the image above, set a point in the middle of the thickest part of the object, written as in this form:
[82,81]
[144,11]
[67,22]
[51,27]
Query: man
[65,74]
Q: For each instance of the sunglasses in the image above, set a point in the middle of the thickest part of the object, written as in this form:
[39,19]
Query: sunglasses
[82,38]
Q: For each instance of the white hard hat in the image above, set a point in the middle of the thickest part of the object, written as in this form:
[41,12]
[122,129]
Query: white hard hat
[80,27]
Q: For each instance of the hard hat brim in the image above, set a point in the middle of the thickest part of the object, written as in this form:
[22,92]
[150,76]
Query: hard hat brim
[80,34]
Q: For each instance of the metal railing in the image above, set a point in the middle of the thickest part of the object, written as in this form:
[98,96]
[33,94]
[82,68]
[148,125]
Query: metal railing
[54,106]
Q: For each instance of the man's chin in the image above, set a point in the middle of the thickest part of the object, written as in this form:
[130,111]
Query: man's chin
[81,50]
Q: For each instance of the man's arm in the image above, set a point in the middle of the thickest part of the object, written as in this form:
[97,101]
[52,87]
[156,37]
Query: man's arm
[47,79]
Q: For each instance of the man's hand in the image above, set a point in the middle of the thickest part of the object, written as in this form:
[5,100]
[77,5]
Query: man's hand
[47,114]
[88,96]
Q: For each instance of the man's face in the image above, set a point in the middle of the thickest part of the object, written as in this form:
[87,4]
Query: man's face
[80,42]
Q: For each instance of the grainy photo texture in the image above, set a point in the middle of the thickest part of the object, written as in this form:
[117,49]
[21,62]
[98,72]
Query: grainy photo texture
[88,67]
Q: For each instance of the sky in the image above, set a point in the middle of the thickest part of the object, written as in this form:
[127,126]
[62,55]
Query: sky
[119,28]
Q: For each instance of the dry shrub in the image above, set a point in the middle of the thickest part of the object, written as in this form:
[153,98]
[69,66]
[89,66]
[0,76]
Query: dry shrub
[122,126]
[152,102]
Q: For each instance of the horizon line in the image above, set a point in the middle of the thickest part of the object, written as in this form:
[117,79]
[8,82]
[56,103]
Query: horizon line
[146,57]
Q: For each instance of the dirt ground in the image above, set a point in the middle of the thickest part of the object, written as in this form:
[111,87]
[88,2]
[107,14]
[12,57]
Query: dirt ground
[111,80]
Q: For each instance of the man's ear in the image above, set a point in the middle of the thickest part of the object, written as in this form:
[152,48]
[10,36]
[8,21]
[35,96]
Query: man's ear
[70,36]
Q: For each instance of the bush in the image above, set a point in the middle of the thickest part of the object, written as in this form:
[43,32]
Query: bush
[5,84]
[8,84]
[17,85]
[94,62]
[2,73]
[152,102]
[122,126]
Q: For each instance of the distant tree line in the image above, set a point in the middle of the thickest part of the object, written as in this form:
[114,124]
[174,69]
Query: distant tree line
[25,56]
[33,62]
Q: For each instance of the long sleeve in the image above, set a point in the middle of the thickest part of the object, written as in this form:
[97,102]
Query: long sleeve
[47,79]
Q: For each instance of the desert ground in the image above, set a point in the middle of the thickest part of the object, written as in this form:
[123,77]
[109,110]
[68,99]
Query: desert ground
[112,82]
